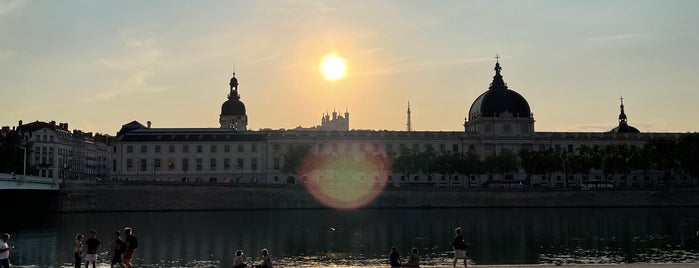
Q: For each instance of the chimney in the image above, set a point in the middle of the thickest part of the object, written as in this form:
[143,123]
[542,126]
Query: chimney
[148,123]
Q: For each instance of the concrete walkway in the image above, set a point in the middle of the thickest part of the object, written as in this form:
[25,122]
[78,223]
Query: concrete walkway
[631,265]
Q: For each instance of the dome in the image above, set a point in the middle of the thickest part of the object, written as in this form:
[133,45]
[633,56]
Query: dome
[233,106]
[498,100]
[624,128]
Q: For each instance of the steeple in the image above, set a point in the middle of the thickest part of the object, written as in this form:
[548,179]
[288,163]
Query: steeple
[498,82]
[234,88]
[622,115]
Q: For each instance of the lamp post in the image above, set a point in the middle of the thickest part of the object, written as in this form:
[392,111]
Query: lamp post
[24,159]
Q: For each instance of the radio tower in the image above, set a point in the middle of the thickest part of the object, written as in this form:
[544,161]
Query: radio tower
[409,126]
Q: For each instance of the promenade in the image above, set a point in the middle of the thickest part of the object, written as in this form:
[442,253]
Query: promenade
[630,265]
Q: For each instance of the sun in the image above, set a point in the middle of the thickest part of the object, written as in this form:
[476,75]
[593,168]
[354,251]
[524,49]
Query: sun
[333,67]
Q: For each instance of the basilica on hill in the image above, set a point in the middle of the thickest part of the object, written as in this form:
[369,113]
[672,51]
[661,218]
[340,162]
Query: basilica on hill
[499,120]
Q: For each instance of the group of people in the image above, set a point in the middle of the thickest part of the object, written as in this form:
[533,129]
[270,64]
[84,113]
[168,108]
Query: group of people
[239,262]
[121,251]
[458,244]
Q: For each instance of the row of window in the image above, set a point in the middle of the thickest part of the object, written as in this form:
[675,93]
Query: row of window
[213,148]
[198,165]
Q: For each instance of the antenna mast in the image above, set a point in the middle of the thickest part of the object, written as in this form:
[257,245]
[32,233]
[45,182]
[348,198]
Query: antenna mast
[409,126]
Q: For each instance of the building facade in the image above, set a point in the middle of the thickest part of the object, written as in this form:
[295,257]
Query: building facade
[499,120]
[56,152]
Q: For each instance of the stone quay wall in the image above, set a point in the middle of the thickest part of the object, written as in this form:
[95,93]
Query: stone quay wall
[82,196]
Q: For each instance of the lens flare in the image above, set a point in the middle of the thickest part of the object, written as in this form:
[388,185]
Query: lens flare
[345,180]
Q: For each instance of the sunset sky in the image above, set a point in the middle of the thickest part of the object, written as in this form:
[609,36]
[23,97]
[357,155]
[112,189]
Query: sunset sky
[100,64]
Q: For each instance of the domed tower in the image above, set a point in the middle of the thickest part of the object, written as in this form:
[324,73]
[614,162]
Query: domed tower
[233,110]
[623,125]
[500,111]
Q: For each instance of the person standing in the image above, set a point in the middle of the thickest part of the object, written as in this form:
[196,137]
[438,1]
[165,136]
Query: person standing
[238,260]
[78,251]
[413,259]
[131,245]
[394,258]
[459,247]
[118,247]
[5,251]
[93,245]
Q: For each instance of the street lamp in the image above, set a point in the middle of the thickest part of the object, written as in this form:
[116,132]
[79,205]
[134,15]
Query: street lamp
[24,160]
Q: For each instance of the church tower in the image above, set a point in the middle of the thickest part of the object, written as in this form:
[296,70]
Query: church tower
[233,110]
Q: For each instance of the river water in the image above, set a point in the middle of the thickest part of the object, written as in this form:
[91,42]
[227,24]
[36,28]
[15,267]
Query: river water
[364,237]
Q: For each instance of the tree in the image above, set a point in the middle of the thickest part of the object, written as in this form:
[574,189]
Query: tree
[662,156]
[688,154]
[293,159]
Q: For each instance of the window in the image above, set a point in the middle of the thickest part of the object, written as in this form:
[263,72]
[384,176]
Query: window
[570,147]
[143,164]
[253,163]
[157,149]
[170,164]
[416,147]
[241,163]
[114,165]
[185,148]
[240,148]
[455,148]
[129,148]
[200,164]
[442,148]
[226,164]
[171,148]
[200,148]
[389,148]
[276,147]
[253,148]
[144,148]
[226,148]
[212,164]
[507,128]
[51,140]
[156,164]
[276,163]
[185,164]
[213,148]
[114,149]
[402,148]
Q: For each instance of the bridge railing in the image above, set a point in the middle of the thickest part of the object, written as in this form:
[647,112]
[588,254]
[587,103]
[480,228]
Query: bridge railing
[21,179]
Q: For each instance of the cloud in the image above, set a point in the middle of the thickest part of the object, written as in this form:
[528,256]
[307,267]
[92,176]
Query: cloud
[617,37]
[130,71]
[7,6]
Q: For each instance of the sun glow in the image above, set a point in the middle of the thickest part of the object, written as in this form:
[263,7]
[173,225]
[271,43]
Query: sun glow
[333,67]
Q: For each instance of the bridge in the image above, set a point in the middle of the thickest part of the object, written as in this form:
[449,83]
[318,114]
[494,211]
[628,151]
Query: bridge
[21,182]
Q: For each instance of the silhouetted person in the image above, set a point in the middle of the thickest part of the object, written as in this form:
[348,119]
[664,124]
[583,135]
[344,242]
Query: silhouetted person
[459,247]
[413,259]
[131,244]
[238,260]
[5,250]
[394,257]
[93,245]
[118,248]
[78,251]
[266,260]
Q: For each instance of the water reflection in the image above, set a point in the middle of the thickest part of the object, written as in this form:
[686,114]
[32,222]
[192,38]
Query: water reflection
[295,237]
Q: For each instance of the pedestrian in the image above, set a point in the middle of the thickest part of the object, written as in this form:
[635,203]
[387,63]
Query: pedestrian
[78,251]
[238,260]
[394,258]
[266,260]
[118,248]
[459,247]
[93,245]
[131,245]
[5,251]
[413,259]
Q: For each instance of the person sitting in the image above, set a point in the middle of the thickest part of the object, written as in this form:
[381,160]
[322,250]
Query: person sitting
[238,260]
[394,258]
[413,259]
[266,260]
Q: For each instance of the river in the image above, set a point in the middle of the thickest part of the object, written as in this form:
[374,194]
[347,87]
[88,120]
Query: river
[364,237]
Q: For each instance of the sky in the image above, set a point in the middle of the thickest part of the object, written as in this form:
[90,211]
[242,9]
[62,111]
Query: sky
[100,64]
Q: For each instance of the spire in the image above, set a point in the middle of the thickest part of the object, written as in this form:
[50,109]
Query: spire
[622,115]
[234,85]
[409,126]
[498,82]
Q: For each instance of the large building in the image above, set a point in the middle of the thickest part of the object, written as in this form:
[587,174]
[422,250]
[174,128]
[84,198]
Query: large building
[498,120]
[53,151]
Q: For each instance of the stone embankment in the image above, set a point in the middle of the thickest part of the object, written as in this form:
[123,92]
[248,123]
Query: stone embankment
[81,196]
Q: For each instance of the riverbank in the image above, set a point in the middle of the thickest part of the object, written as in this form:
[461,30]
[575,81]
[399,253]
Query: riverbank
[81,196]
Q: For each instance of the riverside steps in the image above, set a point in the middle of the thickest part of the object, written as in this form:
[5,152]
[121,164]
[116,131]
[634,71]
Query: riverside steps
[86,196]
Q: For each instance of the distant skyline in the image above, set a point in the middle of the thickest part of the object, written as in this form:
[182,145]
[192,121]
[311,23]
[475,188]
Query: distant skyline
[100,64]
